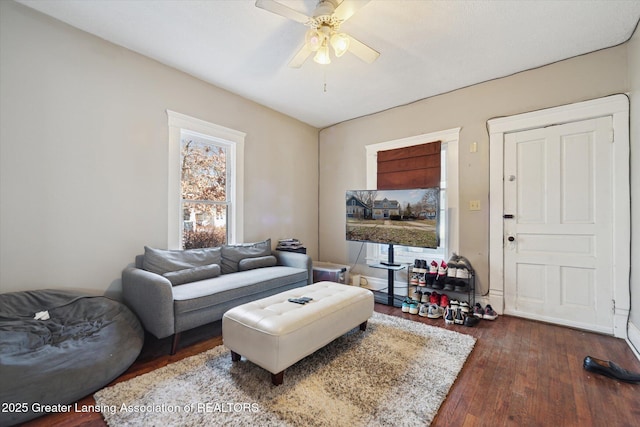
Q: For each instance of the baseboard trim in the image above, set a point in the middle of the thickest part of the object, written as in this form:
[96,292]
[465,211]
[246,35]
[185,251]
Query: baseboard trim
[633,339]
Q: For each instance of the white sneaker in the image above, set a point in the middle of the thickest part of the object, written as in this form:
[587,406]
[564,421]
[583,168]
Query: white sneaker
[424,310]
[464,306]
[462,273]
[413,307]
[448,317]
[435,311]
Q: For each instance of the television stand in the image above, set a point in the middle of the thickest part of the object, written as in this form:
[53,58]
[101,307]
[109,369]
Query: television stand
[391,268]
[390,264]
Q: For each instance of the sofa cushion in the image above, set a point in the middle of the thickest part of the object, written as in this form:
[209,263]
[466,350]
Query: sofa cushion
[258,262]
[161,261]
[206,293]
[193,274]
[233,254]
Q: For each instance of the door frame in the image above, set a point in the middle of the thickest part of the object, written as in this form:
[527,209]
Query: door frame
[616,106]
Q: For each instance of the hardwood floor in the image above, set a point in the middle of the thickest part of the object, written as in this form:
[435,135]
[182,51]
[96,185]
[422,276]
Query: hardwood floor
[520,373]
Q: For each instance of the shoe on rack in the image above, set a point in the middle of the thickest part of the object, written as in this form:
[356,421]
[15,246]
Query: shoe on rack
[422,281]
[432,274]
[413,307]
[459,317]
[462,272]
[434,298]
[464,306]
[414,278]
[464,268]
[435,311]
[489,313]
[405,305]
[610,369]
[448,316]
[478,311]
[442,269]
[425,297]
[438,283]
[454,304]
[424,309]
[450,284]
[444,300]
[417,294]
[452,267]
[415,272]
[461,286]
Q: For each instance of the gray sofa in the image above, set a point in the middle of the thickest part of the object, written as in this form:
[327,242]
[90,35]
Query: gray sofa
[172,291]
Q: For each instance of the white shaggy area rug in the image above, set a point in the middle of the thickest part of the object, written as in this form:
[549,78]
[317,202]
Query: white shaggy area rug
[397,372]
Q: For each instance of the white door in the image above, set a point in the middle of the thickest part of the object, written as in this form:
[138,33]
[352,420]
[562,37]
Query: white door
[558,224]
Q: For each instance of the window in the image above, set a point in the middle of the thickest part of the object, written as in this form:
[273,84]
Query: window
[204,191]
[205,183]
[448,197]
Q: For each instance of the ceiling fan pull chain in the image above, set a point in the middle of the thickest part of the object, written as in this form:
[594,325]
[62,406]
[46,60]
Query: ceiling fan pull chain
[325,81]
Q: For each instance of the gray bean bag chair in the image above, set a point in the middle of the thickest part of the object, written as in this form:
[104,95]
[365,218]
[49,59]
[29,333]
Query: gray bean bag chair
[86,342]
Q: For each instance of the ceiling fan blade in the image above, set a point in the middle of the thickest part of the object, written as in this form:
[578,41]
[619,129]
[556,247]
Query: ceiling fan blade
[347,8]
[362,51]
[282,10]
[300,57]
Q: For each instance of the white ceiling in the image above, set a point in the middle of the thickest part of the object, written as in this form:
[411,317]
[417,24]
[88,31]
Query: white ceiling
[426,47]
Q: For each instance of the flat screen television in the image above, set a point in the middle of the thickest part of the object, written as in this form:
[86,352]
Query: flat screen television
[394,217]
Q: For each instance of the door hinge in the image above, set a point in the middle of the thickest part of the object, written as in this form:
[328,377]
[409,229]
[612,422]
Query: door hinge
[613,306]
[611,136]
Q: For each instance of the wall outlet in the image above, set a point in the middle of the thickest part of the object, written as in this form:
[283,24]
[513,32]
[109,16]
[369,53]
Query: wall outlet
[474,205]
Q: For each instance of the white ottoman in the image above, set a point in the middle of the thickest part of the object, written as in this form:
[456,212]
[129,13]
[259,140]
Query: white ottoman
[274,333]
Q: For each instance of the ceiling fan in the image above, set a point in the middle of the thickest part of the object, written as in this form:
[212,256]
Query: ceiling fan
[324,30]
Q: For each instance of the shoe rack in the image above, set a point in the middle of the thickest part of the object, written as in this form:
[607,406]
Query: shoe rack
[448,286]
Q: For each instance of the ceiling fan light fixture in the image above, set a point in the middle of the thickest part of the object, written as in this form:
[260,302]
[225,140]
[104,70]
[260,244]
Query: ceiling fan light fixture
[340,43]
[322,55]
[313,39]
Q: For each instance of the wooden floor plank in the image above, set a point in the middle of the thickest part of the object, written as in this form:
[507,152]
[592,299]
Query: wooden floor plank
[520,373]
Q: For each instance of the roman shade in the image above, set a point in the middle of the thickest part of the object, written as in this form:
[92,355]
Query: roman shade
[417,166]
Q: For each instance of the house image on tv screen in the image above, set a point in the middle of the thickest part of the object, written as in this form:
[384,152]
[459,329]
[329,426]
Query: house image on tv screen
[356,208]
[385,208]
[402,217]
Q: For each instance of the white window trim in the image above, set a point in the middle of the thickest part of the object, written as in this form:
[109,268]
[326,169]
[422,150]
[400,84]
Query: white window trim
[450,138]
[235,141]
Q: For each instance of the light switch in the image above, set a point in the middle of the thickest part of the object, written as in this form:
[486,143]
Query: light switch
[474,205]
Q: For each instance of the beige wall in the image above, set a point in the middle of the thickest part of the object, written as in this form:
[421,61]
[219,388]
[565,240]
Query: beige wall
[634,84]
[342,152]
[84,146]
[83,152]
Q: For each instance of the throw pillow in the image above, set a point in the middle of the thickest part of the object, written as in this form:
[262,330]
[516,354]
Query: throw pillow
[258,262]
[232,254]
[162,261]
[194,274]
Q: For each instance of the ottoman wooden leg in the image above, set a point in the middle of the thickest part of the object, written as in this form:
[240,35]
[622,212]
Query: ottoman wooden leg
[235,356]
[363,326]
[276,379]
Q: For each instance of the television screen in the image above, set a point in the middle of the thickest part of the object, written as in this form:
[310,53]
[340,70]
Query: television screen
[395,217]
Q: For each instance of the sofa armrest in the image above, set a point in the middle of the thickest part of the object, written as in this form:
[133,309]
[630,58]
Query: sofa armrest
[297,260]
[150,296]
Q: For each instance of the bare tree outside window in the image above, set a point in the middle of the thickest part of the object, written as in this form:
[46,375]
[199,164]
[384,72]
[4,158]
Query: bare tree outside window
[204,193]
